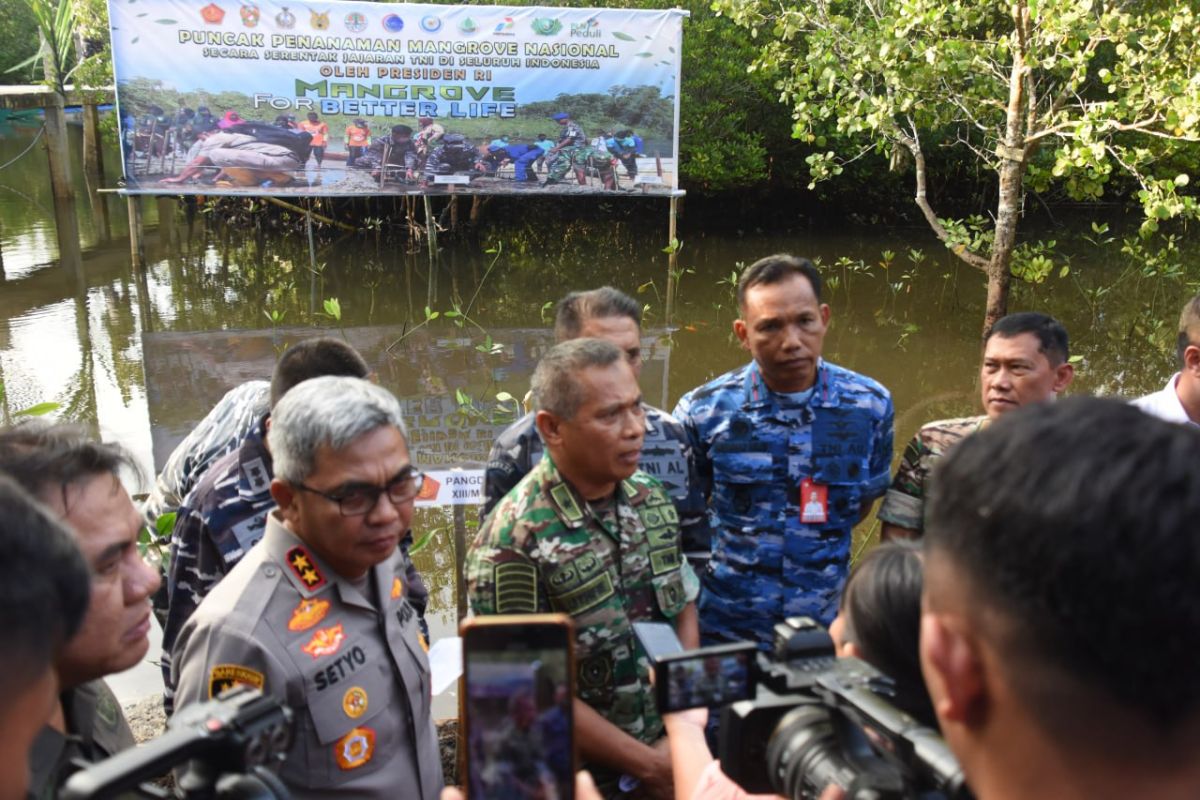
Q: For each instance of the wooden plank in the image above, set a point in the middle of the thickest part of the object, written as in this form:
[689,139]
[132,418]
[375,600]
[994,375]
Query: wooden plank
[21,97]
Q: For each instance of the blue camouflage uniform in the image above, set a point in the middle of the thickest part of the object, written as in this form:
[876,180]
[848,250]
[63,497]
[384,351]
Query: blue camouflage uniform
[522,156]
[752,449]
[223,517]
[666,455]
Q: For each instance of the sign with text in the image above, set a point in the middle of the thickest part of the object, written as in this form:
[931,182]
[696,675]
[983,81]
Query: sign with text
[354,98]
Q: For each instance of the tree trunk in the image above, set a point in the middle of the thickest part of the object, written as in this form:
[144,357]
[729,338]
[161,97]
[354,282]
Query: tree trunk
[1012,177]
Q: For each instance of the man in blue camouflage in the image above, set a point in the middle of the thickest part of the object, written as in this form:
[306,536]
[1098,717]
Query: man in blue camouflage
[613,316]
[226,514]
[792,451]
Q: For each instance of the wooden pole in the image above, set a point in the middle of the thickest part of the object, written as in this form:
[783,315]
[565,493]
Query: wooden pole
[672,260]
[431,236]
[56,149]
[137,249]
[93,153]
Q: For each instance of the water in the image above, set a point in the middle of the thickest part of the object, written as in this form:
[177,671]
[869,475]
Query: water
[141,357]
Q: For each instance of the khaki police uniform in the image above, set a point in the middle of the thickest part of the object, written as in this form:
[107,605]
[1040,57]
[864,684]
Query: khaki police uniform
[96,730]
[351,665]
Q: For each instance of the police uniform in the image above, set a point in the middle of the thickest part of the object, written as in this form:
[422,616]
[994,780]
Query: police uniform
[754,449]
[666,455]
[96,730]
[350,662]
[546,549]
[904,504]
[220,521]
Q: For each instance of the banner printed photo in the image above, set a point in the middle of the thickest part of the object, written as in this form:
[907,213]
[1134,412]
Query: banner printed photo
[356,98]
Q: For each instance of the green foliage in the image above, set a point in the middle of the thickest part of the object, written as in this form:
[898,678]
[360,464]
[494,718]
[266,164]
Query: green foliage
[18,40]
[1103,88]
[55,21]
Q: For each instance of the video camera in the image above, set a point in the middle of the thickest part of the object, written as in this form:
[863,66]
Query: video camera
[819,720]
[234,745]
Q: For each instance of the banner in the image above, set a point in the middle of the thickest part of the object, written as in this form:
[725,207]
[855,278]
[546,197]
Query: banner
[360,98]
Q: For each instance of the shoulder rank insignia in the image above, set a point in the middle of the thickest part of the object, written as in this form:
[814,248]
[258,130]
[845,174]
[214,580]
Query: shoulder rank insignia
[225,676]
[355,748]
[308,613]
[305,568]
[397,588]
[566,503]
[325,642]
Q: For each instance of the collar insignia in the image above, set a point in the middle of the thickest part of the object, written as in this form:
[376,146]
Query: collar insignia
[305,568]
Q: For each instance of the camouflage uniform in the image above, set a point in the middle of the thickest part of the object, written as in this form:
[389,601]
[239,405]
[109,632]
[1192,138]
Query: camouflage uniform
[96,730]
[544,549]
[753,448]
[904,504]
[347,657]
[574,152]
[220,521]
[666,455]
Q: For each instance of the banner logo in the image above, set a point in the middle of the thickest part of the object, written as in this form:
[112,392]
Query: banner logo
[356,22]
[467,26]
[393,24]
[320,20]
[250,15]
[506,27]
[431,24]
[212,14]
[546,26]
[586,30]
[285,19]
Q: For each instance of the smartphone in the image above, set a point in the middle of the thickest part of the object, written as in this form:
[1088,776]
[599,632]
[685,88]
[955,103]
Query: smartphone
[658,640]
[518,726]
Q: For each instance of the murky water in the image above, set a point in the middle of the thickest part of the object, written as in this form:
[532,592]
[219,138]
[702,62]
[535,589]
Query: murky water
[142,357]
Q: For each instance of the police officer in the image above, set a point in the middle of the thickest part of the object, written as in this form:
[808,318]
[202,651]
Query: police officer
[78,481]
[588,534]
[614,316]
[316,614]
[791,451]
[226,514]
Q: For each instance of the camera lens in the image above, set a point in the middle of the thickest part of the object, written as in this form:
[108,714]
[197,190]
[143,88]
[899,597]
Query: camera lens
[803,755]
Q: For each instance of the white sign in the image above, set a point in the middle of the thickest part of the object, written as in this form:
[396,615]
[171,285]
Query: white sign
[462,180]
[454,487]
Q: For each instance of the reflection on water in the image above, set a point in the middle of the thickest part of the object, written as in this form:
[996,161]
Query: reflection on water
[141,357]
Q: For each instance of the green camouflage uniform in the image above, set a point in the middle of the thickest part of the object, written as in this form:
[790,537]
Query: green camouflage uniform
[544,549]
[904,504]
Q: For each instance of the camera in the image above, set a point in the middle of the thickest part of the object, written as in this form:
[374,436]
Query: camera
[819,720]
[231,747]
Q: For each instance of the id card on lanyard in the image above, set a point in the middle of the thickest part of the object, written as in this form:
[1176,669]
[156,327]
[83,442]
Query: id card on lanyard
[814,502]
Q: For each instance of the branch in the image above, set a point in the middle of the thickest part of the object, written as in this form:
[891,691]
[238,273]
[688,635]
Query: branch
[913,143]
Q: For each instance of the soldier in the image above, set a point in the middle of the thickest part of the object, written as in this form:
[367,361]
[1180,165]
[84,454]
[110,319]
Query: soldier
[614,316]
[1026,360]
[588,534]
[401,155]
[316,615]
[454,154]
[43,597]
[1179,400]
[227,513]
[768,435]
[571,151]
[78,481]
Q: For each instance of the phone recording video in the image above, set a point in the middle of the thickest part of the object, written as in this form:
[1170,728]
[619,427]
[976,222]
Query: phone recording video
[710,676]
[518,727]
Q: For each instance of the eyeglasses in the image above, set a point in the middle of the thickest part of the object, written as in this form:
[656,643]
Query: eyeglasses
[359,500]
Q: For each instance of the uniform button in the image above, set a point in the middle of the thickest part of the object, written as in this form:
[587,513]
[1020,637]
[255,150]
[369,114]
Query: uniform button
[269,571]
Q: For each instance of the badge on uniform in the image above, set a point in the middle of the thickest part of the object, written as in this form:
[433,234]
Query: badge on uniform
[354,702]
[814,502]
[308,613]
[325,642]
[305,568]
[397,588]
[355,748]
[224,676]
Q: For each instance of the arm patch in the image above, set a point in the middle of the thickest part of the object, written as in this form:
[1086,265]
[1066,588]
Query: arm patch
[515,585]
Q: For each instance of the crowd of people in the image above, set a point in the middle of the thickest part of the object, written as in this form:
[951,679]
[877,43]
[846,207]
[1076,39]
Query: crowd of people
[1034,599]
[233,150]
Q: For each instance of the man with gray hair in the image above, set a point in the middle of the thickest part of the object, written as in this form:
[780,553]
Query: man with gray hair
[1179,400]
[613,316]
[316,614]
[588,534]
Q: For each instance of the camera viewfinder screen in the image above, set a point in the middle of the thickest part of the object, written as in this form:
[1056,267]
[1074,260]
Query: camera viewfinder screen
[520,727]
[709,680]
